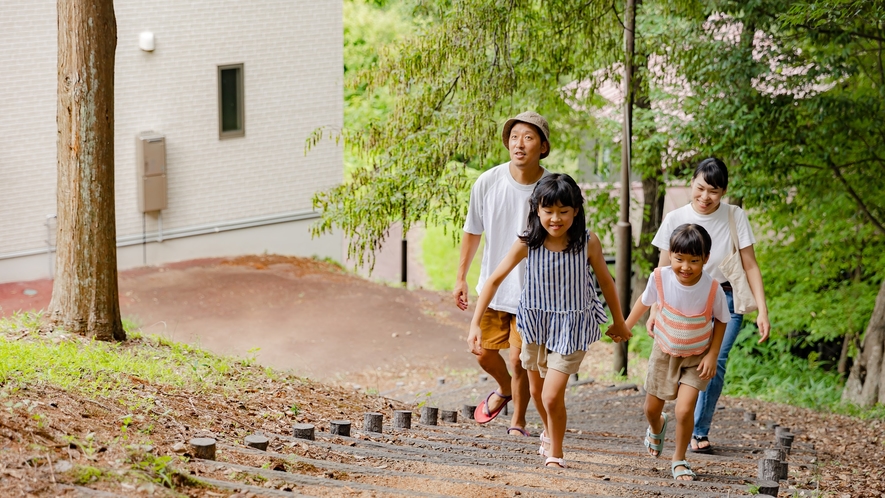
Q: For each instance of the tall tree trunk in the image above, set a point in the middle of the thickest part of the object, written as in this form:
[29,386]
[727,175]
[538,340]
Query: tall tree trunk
[649,165]
[85,299]
[866,382]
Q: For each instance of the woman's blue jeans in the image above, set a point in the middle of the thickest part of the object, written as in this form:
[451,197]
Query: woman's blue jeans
[703,412]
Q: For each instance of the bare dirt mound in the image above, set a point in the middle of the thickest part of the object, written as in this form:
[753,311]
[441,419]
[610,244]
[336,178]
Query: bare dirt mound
[298,314]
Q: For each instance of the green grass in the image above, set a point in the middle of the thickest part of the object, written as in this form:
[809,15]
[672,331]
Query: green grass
[96,368]
[440,254]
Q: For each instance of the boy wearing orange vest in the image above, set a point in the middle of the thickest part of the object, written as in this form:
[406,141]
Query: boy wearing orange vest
[688,332]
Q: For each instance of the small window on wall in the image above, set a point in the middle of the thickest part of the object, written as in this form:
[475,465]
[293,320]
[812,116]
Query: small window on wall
[231,115]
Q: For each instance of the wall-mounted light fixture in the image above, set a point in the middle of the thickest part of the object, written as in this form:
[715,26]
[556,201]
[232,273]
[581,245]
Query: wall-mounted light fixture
[146,41]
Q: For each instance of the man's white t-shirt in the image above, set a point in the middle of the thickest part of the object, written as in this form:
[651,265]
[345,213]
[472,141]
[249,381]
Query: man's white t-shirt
[499,207]
[716,225]
[688,299]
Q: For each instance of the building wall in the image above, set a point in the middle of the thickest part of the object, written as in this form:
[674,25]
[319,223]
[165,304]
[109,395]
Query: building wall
[28,31]
[293,64]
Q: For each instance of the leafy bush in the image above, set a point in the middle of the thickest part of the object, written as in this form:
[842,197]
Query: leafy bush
[770,372]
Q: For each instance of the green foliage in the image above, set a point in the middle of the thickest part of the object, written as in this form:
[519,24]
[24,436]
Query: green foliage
[641,343]
[85,474]
[770,372]
[451,82]
[794,102]
[822,279]
[159,469]
[369,29]
[791,94]
[440,253]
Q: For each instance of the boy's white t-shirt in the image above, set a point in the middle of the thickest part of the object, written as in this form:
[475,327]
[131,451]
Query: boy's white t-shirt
[716,225]
[688,299]
[499,207]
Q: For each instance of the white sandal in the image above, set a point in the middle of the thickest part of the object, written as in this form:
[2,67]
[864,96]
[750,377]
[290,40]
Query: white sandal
[557,461]
[544,439]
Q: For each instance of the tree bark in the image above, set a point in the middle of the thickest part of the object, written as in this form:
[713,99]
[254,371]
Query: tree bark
[867,378]
[649,166]
[85,299]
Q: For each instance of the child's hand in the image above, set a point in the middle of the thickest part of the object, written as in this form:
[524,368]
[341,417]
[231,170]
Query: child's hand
[707,367]
[618,333]
[474,340]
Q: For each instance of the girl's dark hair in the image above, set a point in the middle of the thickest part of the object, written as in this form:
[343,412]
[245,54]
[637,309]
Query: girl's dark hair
[548,191]
[714,172]
[692,239]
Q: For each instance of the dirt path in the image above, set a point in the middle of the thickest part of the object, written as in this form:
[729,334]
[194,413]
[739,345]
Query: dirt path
[290,313]
[322,322]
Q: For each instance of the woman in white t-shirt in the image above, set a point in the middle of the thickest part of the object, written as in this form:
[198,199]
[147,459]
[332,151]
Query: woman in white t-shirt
[708,186]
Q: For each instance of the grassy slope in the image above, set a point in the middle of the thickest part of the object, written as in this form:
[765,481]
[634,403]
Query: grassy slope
[112,409]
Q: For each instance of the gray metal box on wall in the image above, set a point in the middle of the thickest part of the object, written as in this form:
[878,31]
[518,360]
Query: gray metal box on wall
[150,152]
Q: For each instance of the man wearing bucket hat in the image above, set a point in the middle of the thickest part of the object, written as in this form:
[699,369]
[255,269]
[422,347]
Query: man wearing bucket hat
[499,204]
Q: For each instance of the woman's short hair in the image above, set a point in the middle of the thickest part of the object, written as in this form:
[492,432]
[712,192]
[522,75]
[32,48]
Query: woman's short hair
[713,171]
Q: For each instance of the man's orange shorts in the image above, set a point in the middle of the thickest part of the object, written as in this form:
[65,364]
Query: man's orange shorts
[499,330]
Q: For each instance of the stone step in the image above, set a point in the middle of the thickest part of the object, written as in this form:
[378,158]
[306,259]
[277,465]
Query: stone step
[247,488]
[606,477]
[314,486]
[603,448]
[350,469]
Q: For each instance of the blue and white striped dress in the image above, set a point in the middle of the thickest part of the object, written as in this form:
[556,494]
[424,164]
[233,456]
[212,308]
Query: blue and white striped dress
[559,307]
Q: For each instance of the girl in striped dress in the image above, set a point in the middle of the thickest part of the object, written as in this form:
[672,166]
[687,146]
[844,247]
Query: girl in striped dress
[559,314]
[688,331]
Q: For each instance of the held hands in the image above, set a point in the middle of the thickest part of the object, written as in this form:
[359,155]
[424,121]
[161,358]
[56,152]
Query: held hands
[707,367]
[618,332]
[460,294]
[474,341]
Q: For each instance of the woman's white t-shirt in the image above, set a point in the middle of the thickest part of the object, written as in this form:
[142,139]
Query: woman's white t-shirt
[716,224]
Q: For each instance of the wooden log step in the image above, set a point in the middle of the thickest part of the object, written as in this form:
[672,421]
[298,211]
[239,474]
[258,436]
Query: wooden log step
[429,415]
[767,487]
[450,416]
[203,447]
[257,441]
[373,422]
[467,411]
[402,419]
[339,428]
[303,431]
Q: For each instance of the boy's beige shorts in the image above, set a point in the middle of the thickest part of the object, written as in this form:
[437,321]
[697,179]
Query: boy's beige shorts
[666,372]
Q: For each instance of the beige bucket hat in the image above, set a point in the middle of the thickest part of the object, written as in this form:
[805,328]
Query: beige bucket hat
[532,118]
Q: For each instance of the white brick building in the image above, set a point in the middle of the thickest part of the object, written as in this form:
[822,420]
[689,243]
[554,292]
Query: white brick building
[226,196]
